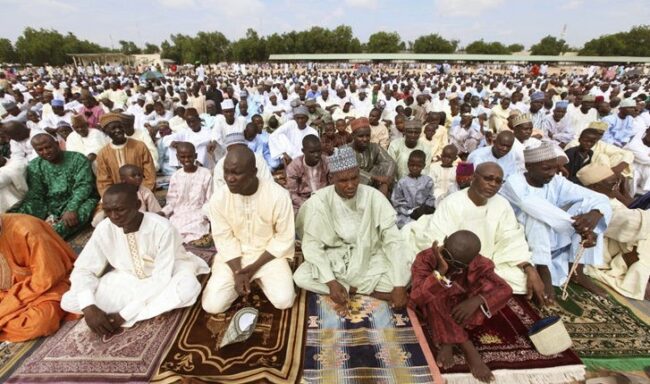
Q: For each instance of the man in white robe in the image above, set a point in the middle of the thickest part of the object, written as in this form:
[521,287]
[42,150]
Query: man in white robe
[152,273]
[500,152]
[253,229]
[490,216]
[13,184]
[286,141]
[640,147]
[626,257]
[350,241]
[558,218]
[238,139]
[85,140]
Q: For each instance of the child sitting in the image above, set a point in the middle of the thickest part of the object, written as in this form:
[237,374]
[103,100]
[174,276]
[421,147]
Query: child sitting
[443,172]
[413,194]
[189,189]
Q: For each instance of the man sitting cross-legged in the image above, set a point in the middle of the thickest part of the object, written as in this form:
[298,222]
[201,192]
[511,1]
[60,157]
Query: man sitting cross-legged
[152,273]
[350,240]
[456,289]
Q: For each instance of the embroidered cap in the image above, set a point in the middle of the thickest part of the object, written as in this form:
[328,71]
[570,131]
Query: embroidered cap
[543,152]
[343,159]
[522,119]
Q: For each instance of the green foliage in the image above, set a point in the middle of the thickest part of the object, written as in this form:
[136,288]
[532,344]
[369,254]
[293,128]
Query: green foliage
[49,46]
[7,51]
[489,48]
[206,47]
[384,42]
[549,45]
[129,48]
[434,43]
[635,42]
[513,48]
[150,49]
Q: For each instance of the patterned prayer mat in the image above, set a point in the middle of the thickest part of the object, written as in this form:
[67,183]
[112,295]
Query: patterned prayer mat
[374,344]
[273,354]
[79,240]
[606,334]
[13,354]
[505,347]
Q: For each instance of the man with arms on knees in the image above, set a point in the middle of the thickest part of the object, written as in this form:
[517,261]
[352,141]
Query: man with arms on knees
[558,217]
[61,187]
[350,240]
[151,271]
[253,229]
[457,289]
[34,267]
[490,216]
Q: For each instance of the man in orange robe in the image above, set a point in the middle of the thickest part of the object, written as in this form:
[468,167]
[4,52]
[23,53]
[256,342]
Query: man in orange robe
[35,264]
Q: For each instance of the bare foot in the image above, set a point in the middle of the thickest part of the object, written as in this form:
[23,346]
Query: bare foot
[476,365]
[445,356]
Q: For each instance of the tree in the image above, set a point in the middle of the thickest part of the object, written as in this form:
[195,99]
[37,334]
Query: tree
[549,45]
[635,42]
[384,42]
[7,51]
[49,46]
[129,48]
[490,48]
[249,49]
[150,48]
[434,43]
[513,48]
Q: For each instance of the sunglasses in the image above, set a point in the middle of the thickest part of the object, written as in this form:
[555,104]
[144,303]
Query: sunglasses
[449,258]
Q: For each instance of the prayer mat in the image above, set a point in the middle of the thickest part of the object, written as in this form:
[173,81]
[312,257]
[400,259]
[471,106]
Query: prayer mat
[605,334]
[640,308]
[13,354]
[505,347]
[273,354]
[79,240]
[373,344]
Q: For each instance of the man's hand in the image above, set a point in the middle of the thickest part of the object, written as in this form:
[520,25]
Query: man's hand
[620,168]
[211,146]
[91,157]
[242,284]
[286,159]
[535,287]
[443,267]
[417,212]
[116,319]
[337,292]
[3,161]
[70,219]
[98,321]
[398,298]
[461,312]
[589,239]
[587,221]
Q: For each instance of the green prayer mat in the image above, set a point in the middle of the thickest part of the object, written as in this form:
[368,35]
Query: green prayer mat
[605,334]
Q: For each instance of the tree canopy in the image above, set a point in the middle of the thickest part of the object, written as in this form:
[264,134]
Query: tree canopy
[635,42]
[39,46]
[489,48]
[549,45]
[385,42]
[434,43]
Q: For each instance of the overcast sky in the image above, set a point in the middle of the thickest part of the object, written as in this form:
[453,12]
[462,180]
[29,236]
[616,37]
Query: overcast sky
[508,21]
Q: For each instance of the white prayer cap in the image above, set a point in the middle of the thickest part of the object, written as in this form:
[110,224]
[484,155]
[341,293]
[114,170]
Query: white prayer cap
[227,104]
[234,139]
[543,152]
[343,159]
[522,119]
[301,110]
[593,173]
[627,103]
[598,125]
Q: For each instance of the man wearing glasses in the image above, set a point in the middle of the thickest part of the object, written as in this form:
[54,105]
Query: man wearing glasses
[490,216]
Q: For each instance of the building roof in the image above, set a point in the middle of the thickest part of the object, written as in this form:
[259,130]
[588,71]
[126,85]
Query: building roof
[453,57]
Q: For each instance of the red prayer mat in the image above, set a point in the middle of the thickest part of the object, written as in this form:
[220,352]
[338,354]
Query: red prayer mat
[505,347]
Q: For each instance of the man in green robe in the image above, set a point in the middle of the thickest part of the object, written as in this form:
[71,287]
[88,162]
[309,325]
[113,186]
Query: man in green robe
[350,241]
[376,167]
[61,187]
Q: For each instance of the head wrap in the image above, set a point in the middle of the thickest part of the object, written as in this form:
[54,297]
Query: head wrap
[562,104]
[593,173]
[522,119]
[343,159]
[234,139]
[301,110]
[227,104]
[543,152]
[361,122]
[537,96]
[627,103]
[108,118]
[464,169]
[598,125]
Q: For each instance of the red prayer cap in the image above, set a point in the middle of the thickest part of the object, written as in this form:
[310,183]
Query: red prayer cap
[361,122]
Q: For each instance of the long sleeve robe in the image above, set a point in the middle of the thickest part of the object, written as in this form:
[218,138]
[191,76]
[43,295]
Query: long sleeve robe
[188,193]
[609,155]
[400,153]
[354,241]
[112,157]
[502,237]
[303,180]
[93,143]
[411,193]
[546,215]
[152,273]
[34,267]
[13,183]
[374,161]
[55,189]
[436,301]
[288,139]
[641,163]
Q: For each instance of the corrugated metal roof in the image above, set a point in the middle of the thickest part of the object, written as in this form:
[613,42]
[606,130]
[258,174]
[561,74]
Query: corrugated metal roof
[453,57]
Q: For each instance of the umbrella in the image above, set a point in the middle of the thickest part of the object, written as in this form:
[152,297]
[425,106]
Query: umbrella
[151,75]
